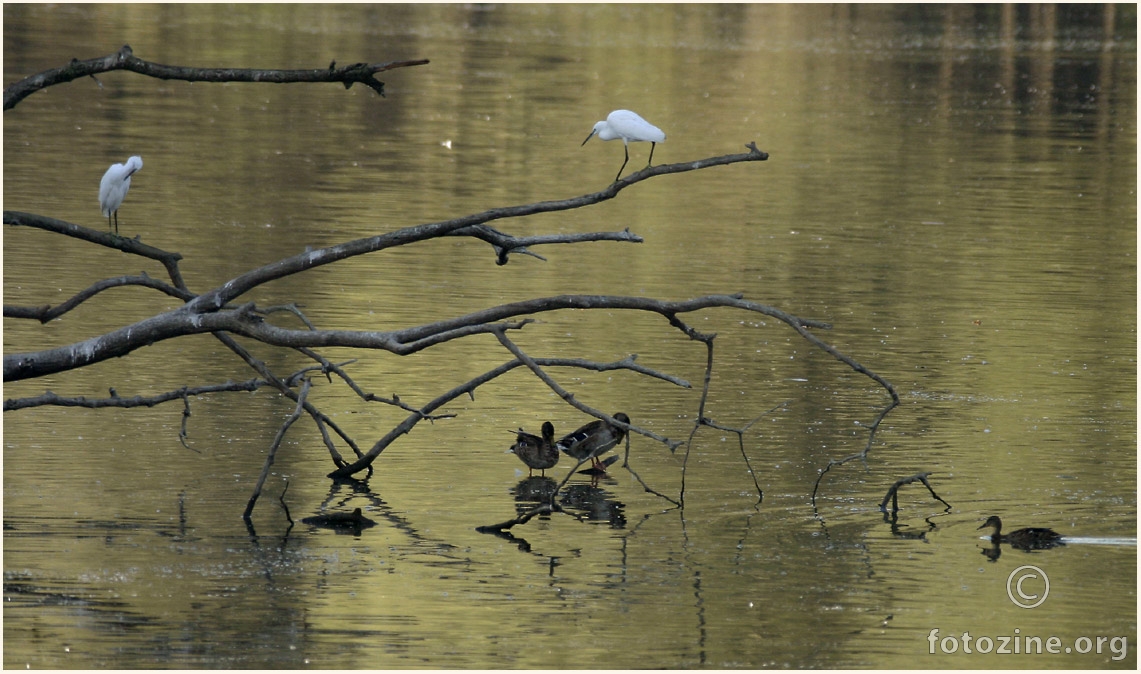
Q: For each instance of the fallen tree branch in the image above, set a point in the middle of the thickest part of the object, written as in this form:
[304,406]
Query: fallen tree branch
[246,321]
[541,509]
[124,59]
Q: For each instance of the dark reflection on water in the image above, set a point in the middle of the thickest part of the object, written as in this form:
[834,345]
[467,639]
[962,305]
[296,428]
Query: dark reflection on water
[952,187]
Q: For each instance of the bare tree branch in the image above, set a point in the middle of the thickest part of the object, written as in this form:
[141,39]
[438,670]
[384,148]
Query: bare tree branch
[124,59]
[46,313]
[504,244]
[50,398]
[862,454]
[182,433]
[301,396]
[100,238]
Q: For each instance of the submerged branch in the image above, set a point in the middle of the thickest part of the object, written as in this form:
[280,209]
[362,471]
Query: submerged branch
[893,495]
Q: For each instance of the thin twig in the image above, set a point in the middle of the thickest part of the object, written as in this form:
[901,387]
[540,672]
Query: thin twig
[284,505]
[182,434]
[301,395]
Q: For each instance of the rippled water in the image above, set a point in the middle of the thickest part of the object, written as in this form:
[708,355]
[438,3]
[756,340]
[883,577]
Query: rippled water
[952,188]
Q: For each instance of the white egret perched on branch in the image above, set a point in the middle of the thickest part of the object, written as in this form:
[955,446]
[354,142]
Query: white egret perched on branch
[630,127]
[113,188]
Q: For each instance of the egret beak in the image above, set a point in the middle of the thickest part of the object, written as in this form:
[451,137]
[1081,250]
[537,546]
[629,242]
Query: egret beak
[589,137]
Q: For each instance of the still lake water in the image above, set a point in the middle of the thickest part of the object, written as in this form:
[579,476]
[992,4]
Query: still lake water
[953,188]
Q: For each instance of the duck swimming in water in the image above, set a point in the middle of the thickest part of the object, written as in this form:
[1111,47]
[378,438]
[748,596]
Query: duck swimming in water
[1030,538]
[537,452]
[593,439]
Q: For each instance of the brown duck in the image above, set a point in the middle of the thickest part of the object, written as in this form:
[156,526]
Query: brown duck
[537,452]
[1030,538]
[593,439]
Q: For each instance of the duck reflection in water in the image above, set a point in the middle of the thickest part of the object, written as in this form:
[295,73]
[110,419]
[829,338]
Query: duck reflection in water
[595,504]
[534,490]
[352,522]
[1027,540]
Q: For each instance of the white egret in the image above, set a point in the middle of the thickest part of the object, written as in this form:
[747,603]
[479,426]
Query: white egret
[630,127]
[113,188]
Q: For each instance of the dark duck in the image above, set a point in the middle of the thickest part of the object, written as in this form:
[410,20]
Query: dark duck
[594,439]
[1030,538]
[537,452]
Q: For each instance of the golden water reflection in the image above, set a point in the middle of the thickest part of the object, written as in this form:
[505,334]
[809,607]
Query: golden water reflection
[953,188]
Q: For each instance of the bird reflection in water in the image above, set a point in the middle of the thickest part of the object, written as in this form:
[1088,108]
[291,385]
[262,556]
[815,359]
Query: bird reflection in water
[533,491]
[342,523]
[590,502]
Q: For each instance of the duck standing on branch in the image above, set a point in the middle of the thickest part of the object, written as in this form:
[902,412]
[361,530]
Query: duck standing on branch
[631,128]
[593,439]
[537,452]
[1030,538]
